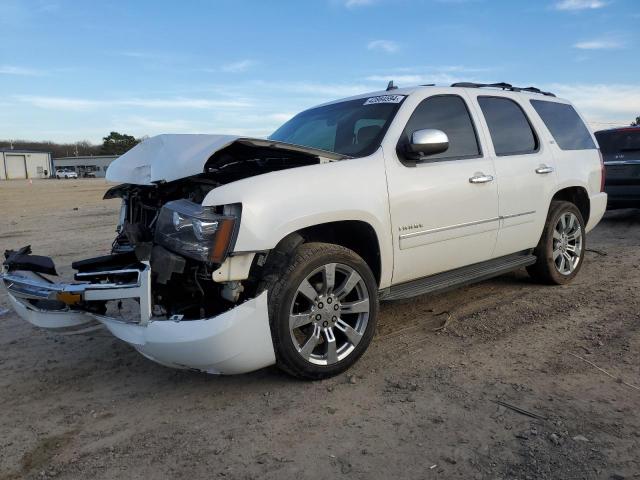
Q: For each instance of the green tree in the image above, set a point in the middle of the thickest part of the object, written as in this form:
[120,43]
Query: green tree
[118,143]
[636,123]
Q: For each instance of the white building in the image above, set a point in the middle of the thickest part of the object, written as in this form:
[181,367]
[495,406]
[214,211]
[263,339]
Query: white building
[85,165]
[20,164]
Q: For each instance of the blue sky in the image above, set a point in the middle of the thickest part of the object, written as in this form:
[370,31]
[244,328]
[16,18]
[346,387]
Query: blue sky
[75,70]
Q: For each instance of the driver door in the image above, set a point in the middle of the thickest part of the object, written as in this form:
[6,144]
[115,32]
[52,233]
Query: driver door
[444,207]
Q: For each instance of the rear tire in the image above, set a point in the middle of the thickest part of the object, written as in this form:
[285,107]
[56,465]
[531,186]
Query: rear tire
[560,252]
[323,308]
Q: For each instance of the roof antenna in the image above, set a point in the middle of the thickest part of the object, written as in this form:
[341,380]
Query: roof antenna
[391,86]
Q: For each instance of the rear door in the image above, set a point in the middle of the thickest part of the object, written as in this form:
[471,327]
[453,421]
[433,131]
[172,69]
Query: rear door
[621,153]
[525,170]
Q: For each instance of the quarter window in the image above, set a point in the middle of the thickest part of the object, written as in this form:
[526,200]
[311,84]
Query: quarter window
[448,113]
[565,125]
[511,132]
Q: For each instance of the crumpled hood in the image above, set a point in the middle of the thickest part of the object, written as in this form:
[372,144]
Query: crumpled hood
[165,158]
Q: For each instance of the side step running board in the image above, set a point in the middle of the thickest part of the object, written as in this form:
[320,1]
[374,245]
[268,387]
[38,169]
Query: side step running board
[459,277]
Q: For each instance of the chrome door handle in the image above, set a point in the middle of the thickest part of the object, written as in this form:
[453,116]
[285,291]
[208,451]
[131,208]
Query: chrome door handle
[481,178]
[542,169]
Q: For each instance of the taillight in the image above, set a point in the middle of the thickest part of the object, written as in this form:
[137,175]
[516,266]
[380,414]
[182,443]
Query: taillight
[602,171]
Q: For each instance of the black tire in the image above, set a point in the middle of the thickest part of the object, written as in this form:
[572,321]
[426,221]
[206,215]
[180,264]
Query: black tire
[545,270]
[284,273]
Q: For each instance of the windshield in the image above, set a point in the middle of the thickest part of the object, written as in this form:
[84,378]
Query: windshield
[617,141]
[353,128]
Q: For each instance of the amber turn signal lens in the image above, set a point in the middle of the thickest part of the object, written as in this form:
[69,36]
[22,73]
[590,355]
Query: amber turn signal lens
[223,240]
[69,298]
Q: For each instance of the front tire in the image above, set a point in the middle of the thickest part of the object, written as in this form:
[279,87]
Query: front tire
[560,253]
[323,308]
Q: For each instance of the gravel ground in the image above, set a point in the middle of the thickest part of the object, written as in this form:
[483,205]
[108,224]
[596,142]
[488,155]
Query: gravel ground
[422,403]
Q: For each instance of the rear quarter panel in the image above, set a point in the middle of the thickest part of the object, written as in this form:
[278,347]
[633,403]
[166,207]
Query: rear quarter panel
[575,168]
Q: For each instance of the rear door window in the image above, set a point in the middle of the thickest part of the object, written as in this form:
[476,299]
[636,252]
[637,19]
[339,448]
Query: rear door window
[565,125]
[511,131]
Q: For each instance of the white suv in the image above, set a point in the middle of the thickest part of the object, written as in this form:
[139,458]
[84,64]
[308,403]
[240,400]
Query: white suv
[243,253]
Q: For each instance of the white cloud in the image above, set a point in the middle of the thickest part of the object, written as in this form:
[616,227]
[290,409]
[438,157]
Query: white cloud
[59,103]
[440,75]
[463,69]
[151,126]
[49,7]
[574,5]
[14,70]
[358,3]
[238,67]
[197,103]
[328,91]
[387,46]
[411,79]
[439,78]
[602,104]
[280,117]
[137,54]
[598,44]
[82,104]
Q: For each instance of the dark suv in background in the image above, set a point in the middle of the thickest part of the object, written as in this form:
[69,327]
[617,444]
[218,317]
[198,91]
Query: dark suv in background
[620,149]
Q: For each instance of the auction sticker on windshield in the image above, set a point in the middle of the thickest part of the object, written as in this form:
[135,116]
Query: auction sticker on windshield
[384,99]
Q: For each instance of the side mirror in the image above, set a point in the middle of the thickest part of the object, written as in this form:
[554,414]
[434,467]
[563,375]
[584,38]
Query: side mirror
[427,142]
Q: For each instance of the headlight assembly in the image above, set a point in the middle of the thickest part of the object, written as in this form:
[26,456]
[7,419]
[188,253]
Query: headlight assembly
[195,231]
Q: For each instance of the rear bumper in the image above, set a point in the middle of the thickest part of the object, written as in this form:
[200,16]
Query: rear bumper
[623,196]
[623,181]
[236,341]
[598,205]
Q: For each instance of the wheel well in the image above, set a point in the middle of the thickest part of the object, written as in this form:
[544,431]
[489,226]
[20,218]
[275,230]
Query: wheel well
[353,234]
[579,197]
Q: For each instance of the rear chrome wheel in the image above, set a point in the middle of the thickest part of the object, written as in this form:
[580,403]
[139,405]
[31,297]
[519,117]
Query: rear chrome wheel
[560,252]
[329,314]
[323,307]
[567,243]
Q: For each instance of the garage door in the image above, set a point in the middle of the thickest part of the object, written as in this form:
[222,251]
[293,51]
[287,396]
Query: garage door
[15,166]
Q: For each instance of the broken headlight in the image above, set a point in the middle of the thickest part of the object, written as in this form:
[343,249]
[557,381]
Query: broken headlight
[195,231]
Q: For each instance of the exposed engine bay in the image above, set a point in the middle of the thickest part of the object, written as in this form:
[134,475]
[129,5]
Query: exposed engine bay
[166,226]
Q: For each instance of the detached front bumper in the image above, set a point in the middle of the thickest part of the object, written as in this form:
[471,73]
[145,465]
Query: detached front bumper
[236,341]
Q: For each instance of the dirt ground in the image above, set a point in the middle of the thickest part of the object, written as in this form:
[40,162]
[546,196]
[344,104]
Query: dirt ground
[420,404]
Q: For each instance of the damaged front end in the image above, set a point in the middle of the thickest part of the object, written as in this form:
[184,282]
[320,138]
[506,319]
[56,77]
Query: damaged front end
[172,286]
[156,290]
[164,304]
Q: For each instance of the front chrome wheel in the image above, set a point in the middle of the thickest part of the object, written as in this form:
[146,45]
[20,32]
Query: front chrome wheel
[329,314]
[567,243]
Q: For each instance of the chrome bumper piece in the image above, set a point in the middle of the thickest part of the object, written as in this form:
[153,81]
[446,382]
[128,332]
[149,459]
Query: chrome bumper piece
[31,286]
